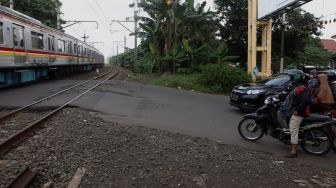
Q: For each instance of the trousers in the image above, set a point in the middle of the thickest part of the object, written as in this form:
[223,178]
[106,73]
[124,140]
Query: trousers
[294,127]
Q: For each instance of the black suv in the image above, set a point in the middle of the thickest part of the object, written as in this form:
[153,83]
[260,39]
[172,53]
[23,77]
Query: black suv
[249,97]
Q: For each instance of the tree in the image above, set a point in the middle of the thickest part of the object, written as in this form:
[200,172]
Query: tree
[234,29]
[43,10]
[314,54]
[169,25]
[299,29]
[234,25]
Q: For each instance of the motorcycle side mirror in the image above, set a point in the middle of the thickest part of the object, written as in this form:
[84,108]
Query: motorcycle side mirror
[288,89]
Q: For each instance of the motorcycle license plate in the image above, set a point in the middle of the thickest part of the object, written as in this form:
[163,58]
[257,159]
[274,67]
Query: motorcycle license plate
[234,97]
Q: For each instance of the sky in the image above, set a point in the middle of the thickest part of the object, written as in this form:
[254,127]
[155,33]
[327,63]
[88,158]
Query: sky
[113,34]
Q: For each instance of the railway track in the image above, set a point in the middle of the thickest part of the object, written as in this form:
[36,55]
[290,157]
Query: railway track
[14,112]
[15,139]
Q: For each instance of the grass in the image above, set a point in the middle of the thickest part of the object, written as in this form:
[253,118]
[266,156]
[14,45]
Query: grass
[179,81]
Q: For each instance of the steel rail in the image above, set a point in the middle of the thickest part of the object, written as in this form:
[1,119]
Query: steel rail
[20,136]
[23,179]
[14,112]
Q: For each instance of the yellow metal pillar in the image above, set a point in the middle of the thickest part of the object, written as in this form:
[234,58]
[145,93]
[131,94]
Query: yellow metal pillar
[252,35]
[269,48]
[266,42]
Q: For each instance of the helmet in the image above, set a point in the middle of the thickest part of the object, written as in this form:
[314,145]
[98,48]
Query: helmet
[331,76]
[313,84]
[313,72]
[297,78]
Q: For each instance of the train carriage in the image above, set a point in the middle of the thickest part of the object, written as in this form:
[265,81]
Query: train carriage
[30,50]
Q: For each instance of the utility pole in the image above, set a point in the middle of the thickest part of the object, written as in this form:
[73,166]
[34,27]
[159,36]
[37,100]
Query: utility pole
[125,44]
[135,35]
[135,21]
[59,18]
[283,27]
[11,4]
[117,53]
[117,42]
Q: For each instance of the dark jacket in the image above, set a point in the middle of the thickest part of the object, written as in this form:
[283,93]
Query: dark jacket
[301,101]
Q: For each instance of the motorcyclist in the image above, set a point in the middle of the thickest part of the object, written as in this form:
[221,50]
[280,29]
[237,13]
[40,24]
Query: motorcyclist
[300,108]
[313,74]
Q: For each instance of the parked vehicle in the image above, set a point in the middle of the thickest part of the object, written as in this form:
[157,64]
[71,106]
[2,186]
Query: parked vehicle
[314,136]
[251,96]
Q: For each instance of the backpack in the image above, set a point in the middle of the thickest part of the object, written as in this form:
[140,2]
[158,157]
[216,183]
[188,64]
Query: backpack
[286,108]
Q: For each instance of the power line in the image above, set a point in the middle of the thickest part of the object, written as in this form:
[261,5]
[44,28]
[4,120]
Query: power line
[75,32]
[95,12]
[102,11]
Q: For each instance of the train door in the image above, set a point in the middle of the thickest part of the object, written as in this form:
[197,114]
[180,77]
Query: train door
[76,52]
[20,53]
[51,49]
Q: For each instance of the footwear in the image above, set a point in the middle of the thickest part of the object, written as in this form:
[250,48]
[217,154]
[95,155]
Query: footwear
[291,156]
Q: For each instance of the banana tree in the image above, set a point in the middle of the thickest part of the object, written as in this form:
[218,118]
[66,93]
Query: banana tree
[196,53]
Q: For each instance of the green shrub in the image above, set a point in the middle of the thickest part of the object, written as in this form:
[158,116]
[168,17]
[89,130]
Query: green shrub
[145,65]
[184,71]
[222,77]
[187,82]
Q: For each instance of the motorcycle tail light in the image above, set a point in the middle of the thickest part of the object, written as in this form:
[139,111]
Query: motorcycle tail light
[333,113]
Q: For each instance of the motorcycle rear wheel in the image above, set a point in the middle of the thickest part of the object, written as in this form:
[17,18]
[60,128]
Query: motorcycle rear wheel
[333,137]
[333,145]
[316,142]
[333,142]
[250,130]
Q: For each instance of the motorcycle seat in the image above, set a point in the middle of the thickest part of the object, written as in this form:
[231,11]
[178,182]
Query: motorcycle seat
[315,118]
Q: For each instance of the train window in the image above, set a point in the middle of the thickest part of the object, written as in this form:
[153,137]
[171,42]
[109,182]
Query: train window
[40,44]
[37,40]
[18,35]
[61,46]
[75,48]
[51,43]
[70,47]
[2,41]
[15,38]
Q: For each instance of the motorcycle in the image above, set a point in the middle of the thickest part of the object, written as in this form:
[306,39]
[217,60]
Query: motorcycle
[314,137]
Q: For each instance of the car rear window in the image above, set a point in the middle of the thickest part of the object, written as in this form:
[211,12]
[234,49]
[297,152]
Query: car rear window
[276,81]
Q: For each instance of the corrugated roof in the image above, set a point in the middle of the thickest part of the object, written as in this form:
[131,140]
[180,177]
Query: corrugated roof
[329,44]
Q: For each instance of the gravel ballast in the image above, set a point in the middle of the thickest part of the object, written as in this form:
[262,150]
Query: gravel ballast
[117,155]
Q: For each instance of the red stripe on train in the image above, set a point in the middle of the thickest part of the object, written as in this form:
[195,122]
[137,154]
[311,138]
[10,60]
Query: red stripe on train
[37,52]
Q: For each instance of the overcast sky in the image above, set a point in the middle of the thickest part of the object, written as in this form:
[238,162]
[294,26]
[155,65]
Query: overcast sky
[104,11]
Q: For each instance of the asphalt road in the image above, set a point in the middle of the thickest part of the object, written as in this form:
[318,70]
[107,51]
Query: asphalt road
[196,114]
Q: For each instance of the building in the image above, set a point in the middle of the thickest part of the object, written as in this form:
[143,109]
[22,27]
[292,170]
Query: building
[329,44]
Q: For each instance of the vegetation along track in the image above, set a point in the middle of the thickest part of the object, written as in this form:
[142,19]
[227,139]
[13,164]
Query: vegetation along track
[26,176]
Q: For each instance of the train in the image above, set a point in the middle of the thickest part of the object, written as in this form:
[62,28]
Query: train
[30,50]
